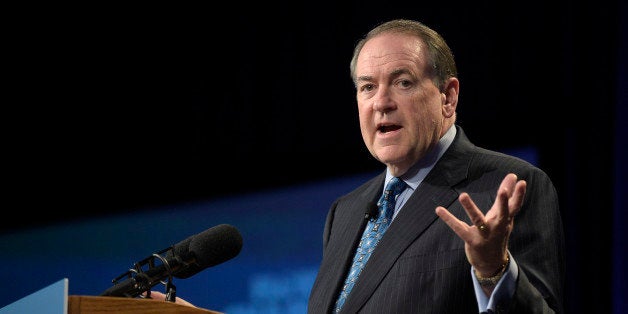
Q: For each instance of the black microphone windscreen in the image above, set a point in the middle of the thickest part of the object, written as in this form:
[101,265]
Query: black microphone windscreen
[209,248]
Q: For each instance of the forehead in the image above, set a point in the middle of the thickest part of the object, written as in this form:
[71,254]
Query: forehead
[390,51]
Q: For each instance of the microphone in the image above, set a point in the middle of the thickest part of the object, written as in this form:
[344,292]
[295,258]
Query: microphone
[209,248]
[371,211]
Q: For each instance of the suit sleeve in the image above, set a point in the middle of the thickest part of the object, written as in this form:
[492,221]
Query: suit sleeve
[537,243]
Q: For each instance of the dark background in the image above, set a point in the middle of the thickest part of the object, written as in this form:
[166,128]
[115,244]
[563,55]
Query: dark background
[119,109]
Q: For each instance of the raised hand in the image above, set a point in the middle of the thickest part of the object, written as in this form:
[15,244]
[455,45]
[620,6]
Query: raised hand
[486,241]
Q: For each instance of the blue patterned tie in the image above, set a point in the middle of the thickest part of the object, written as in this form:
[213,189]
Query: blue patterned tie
[372,234]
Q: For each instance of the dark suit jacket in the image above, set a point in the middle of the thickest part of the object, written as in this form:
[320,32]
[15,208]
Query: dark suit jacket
[420,265]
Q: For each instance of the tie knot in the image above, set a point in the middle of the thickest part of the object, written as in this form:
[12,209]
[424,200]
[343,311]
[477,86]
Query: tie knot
[395,186]
[387,201]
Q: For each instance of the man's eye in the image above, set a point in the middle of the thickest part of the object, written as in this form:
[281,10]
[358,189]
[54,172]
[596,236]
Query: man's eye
[367,87]
[404,83]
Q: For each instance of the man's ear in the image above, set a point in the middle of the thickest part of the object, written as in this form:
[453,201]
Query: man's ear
[449,96]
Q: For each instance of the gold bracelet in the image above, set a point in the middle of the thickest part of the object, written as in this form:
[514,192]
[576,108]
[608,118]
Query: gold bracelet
[492,281]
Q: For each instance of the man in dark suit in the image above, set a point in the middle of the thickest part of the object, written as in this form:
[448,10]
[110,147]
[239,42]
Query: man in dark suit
[453,245]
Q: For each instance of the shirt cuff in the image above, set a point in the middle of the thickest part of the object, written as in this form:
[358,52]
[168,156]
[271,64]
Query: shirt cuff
[503,292]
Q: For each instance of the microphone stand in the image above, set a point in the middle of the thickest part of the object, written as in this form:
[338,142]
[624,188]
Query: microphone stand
[143,283]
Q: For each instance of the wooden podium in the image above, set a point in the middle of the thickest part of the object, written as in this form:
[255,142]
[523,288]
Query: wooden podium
[118,305]
[54,299]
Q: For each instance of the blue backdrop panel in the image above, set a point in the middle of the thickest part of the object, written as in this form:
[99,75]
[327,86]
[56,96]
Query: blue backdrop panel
[281,231]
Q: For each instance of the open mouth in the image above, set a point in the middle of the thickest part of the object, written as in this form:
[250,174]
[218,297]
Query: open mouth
[388,128]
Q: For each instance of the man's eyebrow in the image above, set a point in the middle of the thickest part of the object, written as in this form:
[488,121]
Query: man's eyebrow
[395,73]
[364,78]
[399,72]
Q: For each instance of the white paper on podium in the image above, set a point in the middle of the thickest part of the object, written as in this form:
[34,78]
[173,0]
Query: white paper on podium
[49,300]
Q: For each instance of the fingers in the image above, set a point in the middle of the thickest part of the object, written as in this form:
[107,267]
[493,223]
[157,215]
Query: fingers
[504,192]
[474,213]
[459,227]
[516,201]
[159,296]
[509,199]
[510,196]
